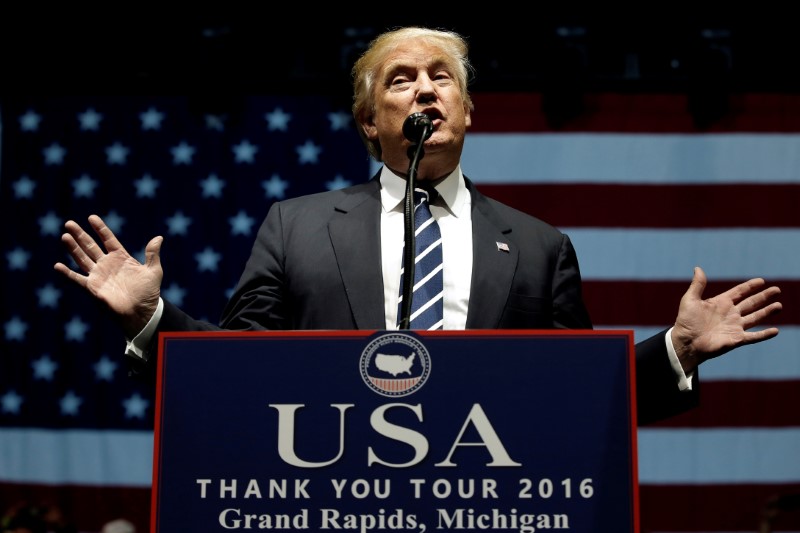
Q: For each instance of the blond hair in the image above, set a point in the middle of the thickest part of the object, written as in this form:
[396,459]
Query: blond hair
[366,69]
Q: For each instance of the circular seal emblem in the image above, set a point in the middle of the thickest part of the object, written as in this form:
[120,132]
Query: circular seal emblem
[395,365]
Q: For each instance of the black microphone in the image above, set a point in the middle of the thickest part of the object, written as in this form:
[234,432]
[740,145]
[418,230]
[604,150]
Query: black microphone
[418,127]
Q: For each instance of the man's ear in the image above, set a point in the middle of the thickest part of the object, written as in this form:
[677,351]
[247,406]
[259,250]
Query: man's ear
[369,128]
[467,117]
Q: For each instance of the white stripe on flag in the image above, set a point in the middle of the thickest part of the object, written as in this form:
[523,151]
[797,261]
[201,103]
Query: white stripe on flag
[708,456]
[631,158]
[82,457]
[724,254]
[125,458]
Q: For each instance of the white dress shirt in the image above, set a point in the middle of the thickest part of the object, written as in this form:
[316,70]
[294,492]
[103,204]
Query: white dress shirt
[453,211]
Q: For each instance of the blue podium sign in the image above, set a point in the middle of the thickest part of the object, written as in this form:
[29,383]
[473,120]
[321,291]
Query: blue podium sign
[360,431]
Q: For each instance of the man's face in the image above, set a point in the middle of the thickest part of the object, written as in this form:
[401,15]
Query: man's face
[419,77]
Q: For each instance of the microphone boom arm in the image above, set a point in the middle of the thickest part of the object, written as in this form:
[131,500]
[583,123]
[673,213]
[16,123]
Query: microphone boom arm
[417,128]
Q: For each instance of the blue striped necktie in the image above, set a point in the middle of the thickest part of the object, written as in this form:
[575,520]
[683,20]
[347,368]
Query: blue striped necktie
[427,307]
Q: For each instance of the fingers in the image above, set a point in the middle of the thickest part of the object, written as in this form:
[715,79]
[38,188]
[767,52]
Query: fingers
[79,253]
[757,300]
[743,291]
[77,238]
[700,275]
[83,250]
[152,252]
[758,315]
[82,281]
[747,296]
[82,246]
[698,284]
[756,308]
[107,236]
[753,337]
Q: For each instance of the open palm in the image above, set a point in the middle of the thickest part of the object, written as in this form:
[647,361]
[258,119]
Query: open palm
[127,287]
[705,329]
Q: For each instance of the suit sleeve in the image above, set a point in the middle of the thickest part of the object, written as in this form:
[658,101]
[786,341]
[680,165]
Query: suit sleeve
[259,301]
[657,393]
[569,310]
[172,319]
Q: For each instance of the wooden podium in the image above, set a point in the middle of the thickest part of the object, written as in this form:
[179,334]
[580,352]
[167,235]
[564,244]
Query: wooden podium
[365,431]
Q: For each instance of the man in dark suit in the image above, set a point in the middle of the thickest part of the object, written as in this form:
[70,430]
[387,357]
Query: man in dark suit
[332,260]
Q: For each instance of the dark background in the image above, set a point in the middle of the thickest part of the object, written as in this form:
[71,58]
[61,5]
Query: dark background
[264,48]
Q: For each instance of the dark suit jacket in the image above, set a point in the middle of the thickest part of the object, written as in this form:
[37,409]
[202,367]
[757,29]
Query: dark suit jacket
[316,264]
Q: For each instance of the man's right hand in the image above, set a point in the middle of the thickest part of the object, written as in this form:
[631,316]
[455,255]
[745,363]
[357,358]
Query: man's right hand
[130,289]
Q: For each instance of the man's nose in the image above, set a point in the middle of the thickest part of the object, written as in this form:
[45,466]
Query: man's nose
[426,90]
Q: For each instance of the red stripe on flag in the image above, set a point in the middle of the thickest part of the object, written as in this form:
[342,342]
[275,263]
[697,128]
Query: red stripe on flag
[654,303]
[635,113]
[714,507]
[743,404]
[654,206]
[85,508]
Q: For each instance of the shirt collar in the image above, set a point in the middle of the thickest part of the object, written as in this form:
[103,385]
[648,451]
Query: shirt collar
[453,193]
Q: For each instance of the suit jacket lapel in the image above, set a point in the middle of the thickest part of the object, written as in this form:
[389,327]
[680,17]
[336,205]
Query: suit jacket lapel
[355,234]
[492,266]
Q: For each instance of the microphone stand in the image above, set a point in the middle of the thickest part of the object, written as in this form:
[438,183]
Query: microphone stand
[415,153]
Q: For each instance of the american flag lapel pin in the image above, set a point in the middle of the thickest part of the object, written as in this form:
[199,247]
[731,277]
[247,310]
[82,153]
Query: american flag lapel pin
[502,247]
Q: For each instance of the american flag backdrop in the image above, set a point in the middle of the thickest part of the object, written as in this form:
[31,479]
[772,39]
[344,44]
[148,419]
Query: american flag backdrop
[74,428]
[644,195]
